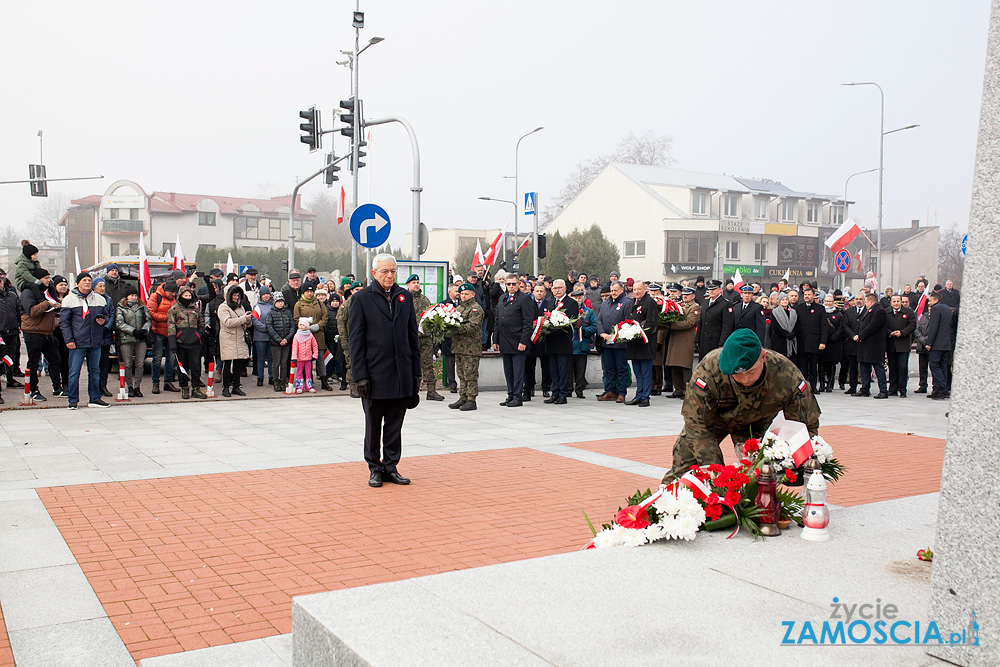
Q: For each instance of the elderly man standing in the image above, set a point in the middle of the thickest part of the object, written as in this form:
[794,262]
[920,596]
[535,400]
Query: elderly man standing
[559,344]
[615,355]
[643,310]
[385,361]
[420,304]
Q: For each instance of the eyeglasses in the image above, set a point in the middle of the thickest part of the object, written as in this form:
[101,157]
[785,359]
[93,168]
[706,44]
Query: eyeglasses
[509,284]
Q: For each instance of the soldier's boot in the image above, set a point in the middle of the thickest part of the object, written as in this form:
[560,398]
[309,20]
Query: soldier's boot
[185,393]
[432,395]
[325,384]
[457,404]
[468,405]
[343,384]
[198,392]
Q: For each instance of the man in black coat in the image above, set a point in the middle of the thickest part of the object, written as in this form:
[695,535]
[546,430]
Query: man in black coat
[851,325]
[385,363]
[900,322]
[642,309]
[871,346]
[539,303]
[938,344]
[812,317]
[716,321]
[514,323]
[559,343]
[748,314]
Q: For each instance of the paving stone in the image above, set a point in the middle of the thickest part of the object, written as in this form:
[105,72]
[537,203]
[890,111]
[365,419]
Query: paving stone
[92,643]
[47,596]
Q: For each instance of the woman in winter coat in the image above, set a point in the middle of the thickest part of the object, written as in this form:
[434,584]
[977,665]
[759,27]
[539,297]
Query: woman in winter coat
[185,333]
[330,333]
[133,325]
[261,341]
[784,329]
[234,320]
[309,306]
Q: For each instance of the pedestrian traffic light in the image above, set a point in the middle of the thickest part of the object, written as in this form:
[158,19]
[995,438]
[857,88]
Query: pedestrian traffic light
[312,133]
[39,186]
[330,175]
[541,246]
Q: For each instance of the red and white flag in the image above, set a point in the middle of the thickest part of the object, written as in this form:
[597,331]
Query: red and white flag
[524,243]
[341,203]
[145,282]
[841,238]
[179,256]
[181,368]
[737,280]
[7,360]
[477,258]
[256,313]
[328,357]
[858,259]
[922,303]
[491,254]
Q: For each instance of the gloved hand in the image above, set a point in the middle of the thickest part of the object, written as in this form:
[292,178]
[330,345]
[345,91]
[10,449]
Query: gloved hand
[336,339]
[314,328]
[362,386]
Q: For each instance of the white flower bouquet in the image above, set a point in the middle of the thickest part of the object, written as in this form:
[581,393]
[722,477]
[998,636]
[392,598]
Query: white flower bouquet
[628,330]
[440,321]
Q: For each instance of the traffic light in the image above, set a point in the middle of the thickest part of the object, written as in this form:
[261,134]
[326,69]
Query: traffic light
[330,175]
[39,187]
[347,118]
[541,246]
[284,265]
[354,120]
[312,133]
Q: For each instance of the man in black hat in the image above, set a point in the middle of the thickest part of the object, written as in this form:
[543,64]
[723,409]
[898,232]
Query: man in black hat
[730,294]
[291,289]
[700,291]
[39,319]
[716,322]
[311,278]
[251,286]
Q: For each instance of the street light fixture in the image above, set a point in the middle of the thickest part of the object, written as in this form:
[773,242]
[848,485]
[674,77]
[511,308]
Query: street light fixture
[867,171]
[517,196]
[881,164]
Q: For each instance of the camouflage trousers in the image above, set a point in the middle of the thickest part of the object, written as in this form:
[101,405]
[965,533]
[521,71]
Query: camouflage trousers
[347,367]
[427,362]
[689,451]
[467,368]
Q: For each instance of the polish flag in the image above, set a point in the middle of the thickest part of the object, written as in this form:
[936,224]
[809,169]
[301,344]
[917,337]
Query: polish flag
[491,254]
[524,243]
[328,357]
[256,313]
[477,258]
[737,280]
[841,238]
[341,204]
[181,368]
[858,258]
[922,303]
[179,256]
[229,264]
[145,282]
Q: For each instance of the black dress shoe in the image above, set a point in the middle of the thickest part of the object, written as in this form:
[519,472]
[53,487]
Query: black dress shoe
[105,393]
[394,477]
[551,399]
[260,382]
[864,394]
[940,397]
[579,394]
[375,479]
[902,394]
[506,402]
[655,392]
[920,390]
[559,401]
[881,394]
[851,391]
[526,398]
[515,403]
[644,403]
[545,393]
[634,401]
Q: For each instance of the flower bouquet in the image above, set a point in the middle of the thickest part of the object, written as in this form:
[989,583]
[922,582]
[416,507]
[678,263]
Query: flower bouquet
[648,517]
[781,456]
[628,330]
[440,321]
[552,321]
[670,311]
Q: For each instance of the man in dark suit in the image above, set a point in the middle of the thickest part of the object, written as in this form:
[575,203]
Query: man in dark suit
[716,321]
[748,314]
[515,319]
[385,363]
[642,309]
[539,303]
[900,322]
[871,346]
[849,368]
[938,344]
[559,343]
[812,317]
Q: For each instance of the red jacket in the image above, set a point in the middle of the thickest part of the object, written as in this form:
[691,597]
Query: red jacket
[159,303]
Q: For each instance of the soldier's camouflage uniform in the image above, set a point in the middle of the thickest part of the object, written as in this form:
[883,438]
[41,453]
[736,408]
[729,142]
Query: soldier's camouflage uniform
[715,406]
[420,304]
[342,332]
[467,348]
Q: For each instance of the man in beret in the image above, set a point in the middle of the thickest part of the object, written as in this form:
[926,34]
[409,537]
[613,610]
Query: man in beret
[420,304]
[738,391]
[467,348]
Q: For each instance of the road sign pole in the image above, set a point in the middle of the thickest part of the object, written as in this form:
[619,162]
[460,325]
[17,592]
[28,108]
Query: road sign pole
[534,236]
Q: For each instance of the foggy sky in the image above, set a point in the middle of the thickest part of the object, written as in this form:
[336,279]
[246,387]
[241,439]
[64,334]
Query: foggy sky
[203,97]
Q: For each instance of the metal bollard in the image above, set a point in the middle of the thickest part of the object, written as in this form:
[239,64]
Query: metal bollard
[27,399]
[290,387]
[122,391]
[211,376]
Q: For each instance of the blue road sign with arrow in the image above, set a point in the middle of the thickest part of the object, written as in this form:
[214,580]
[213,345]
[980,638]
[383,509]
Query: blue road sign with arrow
[370,225]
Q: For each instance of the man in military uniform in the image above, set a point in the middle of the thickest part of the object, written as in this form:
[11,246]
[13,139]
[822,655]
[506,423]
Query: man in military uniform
[738,391]
[342,329]
[420,304]
[716,321]
[467,348]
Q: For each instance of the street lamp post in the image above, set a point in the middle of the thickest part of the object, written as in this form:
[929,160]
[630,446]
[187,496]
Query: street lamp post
[868,171]
[881,146]
[512,203]
[517,193]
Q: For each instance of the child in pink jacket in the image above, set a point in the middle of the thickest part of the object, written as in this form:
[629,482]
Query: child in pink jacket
[304,350]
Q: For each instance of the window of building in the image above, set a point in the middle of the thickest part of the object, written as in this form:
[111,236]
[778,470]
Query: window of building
[760,252]
[114,249]
[206,246]
[837,215]
[52,261]
[635,248]
[812,212]
[691,247]
[788,210]
[133,214]
[699,203]
[732,206]
[206,218]
[168,247]
[732,251]
[272,229]
[760,208]
[112,214]
[133,248]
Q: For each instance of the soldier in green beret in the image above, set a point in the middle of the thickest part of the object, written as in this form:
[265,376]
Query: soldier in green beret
[467,348]
[737,391]
[420,304]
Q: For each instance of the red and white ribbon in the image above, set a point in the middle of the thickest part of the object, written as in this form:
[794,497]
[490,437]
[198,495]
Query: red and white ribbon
[536,331]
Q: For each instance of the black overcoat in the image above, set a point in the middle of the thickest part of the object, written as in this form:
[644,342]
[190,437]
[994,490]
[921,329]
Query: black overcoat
[811,319]
[715,325]
[871,349]
[561,341]
[645,312]
[383,341]
[515,319]
[905,322]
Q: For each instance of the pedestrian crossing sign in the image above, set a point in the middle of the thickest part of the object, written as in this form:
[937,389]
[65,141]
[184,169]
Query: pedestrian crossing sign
[529,203]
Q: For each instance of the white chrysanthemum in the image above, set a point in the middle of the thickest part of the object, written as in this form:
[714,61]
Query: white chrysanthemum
[822,449]
[633,538]
[609,537]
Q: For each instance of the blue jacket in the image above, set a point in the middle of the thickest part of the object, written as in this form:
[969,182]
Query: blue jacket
[84,331]
[260,323]
[109,326]
[589,328]
[612,312]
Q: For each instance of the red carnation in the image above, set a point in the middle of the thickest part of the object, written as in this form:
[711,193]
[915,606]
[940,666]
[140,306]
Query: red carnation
[716,468]
[756,473]
[714,511]
[751,445]
[713,498]
[632,516]
[732,497]
[745,463]
[790,476]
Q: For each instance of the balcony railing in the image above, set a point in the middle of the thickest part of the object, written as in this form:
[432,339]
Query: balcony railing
[121,226]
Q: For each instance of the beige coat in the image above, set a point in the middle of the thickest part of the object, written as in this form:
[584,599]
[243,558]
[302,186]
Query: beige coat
[232,342]
[680,351]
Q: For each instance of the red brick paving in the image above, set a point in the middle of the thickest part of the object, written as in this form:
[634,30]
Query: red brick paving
[6,656]
[189,562]
[880,465]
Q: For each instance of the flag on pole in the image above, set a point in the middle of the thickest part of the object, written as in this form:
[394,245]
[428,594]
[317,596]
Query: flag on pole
[229,265]
[327,356]
[179,256]
[181,368]
[858,258]
[524,243]
[78,269]
[341,205]
[922,303]
[841,238]
[477,258]
[145,282]
[787,275]
[491,254]
[737,280]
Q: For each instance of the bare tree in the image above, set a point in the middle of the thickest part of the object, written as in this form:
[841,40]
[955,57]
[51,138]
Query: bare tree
[646,149]
[11,237]
[44,224]
[951,262]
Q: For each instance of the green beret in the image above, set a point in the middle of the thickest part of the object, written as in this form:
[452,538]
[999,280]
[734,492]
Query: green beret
[741,351]
[356,283]
[345,281]
[412,278]
[467,286]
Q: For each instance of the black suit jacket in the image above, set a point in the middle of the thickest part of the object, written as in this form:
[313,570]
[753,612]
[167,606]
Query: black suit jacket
[871,349]
[905,322]
[715,325]
[812,317]
[752,317]
[645,312]
[851,328]
[939,328]
[561,342]
[383,341]
[537,310]
[515,319]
